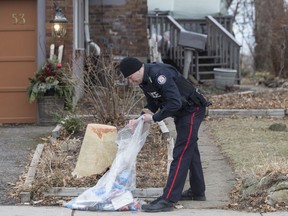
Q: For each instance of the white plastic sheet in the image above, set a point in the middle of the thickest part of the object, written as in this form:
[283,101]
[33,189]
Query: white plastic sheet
[113,190]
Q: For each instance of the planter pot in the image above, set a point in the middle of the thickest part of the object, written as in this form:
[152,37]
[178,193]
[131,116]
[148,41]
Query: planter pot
[48,106]
[224,78]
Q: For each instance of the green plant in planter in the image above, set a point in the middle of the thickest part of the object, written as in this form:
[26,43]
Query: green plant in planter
[50,80]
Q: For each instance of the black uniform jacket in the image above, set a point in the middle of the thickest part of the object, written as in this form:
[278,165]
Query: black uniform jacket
[161,91]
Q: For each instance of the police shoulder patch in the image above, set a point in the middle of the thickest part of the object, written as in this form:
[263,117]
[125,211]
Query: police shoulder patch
[161,79]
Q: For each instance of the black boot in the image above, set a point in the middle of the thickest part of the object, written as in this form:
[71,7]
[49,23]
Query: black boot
[189,195]
[158,205]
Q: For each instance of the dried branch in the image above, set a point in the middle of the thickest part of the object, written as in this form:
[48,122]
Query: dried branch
[106,93]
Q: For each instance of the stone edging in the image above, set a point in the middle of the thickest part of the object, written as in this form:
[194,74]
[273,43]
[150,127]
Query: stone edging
[25,194]
[74,192]
[248,112]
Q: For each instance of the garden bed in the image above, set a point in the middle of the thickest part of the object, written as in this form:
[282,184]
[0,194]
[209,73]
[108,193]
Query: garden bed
[59,158]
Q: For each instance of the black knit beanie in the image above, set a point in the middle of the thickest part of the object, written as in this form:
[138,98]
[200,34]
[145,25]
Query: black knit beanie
[129,65]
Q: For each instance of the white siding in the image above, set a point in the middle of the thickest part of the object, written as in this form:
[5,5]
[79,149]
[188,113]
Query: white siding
[163,5]
[189,8]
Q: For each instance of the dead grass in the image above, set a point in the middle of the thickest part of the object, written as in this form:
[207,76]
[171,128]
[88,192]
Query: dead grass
[255,153]
[250,145]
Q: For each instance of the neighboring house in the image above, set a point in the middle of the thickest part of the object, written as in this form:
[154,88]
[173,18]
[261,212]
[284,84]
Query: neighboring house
[117,27]
[190,9]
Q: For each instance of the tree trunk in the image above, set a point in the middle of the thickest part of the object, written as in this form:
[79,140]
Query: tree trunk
[269,36]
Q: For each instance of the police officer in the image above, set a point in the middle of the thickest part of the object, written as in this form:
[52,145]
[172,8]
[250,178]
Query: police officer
[168,94]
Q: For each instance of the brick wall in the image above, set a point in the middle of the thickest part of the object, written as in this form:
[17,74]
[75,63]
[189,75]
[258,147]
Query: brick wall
[117,28]
[67,41]
[120,28]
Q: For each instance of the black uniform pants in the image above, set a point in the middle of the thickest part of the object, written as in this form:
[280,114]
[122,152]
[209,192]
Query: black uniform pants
[186,157]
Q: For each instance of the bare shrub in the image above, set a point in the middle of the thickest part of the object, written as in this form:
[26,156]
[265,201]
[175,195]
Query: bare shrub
[107,96]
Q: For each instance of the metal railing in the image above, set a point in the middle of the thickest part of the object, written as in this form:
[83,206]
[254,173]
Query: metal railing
[222,44]
[161,25]
[200,25]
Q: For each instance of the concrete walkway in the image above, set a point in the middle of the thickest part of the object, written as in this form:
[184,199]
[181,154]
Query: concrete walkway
[61,211]
[16,144]
[218,174]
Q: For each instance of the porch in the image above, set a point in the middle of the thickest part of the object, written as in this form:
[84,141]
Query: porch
[220,49]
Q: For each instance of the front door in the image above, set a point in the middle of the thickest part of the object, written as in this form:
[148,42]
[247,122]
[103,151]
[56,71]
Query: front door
[18,51]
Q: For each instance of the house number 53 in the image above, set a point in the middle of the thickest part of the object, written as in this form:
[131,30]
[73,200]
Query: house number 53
[18,19]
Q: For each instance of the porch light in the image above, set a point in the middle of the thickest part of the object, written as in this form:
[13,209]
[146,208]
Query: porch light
[59,23]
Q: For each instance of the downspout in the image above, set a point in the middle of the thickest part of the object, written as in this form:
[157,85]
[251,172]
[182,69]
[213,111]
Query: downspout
[90,45]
